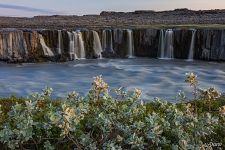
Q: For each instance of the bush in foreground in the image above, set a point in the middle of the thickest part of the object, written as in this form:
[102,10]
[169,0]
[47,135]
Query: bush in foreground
[100,121]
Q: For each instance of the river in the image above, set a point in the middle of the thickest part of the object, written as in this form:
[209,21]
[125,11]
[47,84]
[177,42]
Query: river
[155,77]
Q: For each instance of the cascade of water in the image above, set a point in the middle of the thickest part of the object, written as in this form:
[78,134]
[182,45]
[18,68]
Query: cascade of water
[1,47]
[47,51]
[222,46]
[115,35]
[104,40]
[76,46]
[81,45]
[24,44]
[118,35]
[130,44]
[169,44]
[71,46]
[13,44]
[166,48]
[97,45]
[107,40]
[10,44]
[59,42]
[18,42]
[162,44]
[111,40]
[192,46]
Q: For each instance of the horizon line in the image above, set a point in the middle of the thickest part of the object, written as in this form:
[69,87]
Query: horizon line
[55,13]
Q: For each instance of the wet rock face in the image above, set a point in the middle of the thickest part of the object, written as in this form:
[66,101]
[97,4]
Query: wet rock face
[35,53]
[13,46]
[88,44]
[64,46]
[210,45]
[146,43]
[120,43]
[182,42]
[55,45]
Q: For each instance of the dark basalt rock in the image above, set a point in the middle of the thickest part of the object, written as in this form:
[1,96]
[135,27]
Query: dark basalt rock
[146,42]
[88,43]
[119,43]
[210,45]
[18,46]
[35,52]
[182,42]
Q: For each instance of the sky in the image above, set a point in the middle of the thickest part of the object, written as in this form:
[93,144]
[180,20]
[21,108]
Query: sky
[29,8]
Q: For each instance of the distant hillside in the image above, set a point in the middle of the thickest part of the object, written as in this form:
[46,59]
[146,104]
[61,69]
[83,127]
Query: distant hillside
[139,18]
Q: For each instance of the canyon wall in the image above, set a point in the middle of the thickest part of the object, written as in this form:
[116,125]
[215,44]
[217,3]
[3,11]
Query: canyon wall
[33,45]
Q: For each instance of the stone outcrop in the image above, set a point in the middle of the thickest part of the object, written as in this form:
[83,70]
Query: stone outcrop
[55,45]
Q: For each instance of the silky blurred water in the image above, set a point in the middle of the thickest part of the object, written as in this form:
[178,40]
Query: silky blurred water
[156,78]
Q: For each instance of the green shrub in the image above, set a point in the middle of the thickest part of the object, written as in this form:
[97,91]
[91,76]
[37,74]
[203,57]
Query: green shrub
[100,121]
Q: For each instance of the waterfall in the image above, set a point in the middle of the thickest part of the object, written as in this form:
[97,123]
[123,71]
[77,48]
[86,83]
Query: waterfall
[111,40]
[76,45]
[107,40]
[9,44]
[104,38]
[23,44]
[59,42]
[162,44]
[169,44]
[130,44]
[81,51]
[20,43]
[71,46]
[221,52]
[166,47]
[13,45]
[47,51]
[118,36]
[97,45]
[192,46]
